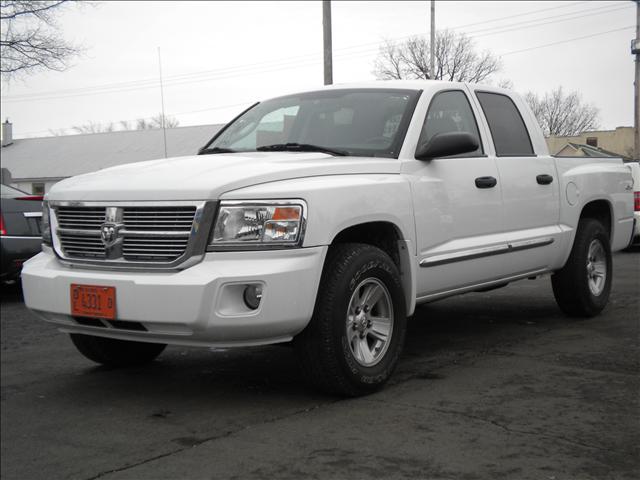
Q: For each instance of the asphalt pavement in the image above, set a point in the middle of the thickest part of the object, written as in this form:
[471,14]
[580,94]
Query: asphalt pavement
[495,385]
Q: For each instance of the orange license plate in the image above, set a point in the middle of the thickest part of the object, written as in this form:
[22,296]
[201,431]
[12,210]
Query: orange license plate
[93,301]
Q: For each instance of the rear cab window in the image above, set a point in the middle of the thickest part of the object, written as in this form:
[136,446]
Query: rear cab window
[510,135]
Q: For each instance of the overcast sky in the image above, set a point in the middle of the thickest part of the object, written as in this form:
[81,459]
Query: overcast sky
[218,57]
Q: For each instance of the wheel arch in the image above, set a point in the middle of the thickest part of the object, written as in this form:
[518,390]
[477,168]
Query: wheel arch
[598,208]
[388,237]
[601,210]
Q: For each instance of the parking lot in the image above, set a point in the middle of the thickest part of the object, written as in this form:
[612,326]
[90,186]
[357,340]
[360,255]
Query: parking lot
[492,385]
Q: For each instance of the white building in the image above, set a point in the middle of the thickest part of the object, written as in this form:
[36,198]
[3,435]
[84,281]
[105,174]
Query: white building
[34,164]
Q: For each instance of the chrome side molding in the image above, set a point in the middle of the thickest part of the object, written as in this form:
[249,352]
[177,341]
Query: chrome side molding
[473,253]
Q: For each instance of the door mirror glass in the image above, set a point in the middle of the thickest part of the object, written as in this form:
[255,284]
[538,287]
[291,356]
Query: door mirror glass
[447,144]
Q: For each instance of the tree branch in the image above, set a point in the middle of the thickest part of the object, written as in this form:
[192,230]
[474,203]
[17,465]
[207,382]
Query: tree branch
[30,38]
[455,59]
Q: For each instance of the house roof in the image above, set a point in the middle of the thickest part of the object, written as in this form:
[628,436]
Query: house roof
[69,155]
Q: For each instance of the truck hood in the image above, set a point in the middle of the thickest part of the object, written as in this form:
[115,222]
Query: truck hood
[204,177]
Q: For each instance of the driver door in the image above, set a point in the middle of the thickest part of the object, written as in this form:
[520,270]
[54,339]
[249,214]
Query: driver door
[457,204]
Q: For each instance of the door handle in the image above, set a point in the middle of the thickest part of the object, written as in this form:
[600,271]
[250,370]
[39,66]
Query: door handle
[544,179]
[486,182]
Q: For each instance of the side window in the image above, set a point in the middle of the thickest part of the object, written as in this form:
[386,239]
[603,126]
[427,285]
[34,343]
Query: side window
[510,135]
[450,112]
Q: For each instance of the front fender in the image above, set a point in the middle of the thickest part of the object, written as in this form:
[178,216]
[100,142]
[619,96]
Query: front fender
[336,202]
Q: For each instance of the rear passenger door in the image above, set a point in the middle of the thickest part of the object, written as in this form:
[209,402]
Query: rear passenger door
[529,182]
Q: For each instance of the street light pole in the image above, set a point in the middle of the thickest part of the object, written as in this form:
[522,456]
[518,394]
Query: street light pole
[433,40]
[635,49]
[326,34]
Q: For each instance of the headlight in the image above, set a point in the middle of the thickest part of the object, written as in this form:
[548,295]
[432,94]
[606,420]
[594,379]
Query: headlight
[46,224]
[258,224]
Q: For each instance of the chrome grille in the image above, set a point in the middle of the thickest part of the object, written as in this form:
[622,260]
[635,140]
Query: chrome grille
[81,218]
[165,219]
[153,249]
[140,233]
[82,246]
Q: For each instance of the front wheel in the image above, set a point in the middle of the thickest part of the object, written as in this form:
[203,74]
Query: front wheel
[354,339]
[582,286]
[116,353]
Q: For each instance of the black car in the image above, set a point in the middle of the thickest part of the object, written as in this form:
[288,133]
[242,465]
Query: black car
[20,234]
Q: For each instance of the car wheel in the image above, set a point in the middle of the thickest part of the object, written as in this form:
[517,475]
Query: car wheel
[116,353]
[354,339]
[582,286]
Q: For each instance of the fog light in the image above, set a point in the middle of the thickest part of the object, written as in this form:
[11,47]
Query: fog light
[252,296]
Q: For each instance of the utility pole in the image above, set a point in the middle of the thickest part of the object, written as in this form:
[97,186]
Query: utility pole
[635,50]
[164,126]
[433,40]
[326,34]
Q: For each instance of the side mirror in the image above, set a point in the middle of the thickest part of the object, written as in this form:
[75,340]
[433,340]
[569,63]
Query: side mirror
[446,144]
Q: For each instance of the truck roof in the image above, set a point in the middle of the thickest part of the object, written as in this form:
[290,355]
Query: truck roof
[407,85]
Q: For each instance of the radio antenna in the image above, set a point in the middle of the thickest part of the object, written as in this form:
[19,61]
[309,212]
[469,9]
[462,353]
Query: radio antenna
[163,118]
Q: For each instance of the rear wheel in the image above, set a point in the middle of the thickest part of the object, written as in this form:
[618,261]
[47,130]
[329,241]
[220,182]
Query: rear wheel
[582,286]
[354,339]
[116,353]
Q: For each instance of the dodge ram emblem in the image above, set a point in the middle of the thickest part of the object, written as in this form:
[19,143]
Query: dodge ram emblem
[109,234]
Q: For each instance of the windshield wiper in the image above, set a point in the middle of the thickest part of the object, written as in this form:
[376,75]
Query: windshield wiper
[206,151]
[301,147]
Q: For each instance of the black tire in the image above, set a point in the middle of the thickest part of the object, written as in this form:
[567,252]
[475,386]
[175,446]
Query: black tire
[324,348]
[571,283]
[116,353]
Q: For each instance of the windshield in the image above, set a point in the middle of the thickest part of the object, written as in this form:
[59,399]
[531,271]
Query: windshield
[361,122]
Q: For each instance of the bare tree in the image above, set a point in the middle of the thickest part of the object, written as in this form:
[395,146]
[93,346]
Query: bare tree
[505,83]
[30,40]
[563,114]
[169,122]
[93,127]
[456,59]
[154,122]
[143,124]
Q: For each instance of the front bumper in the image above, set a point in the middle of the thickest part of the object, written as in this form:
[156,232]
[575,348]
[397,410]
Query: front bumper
[201,305]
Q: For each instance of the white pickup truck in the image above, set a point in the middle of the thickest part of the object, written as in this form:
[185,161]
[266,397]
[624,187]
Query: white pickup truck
[324,218]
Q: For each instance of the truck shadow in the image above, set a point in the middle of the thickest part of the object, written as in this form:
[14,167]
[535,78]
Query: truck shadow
[437,332]
[462,328]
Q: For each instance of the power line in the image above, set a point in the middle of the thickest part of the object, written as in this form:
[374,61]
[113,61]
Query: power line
[221,107]
[557,7]
[309,62]
[290,61]
[532,24]
[566,41]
